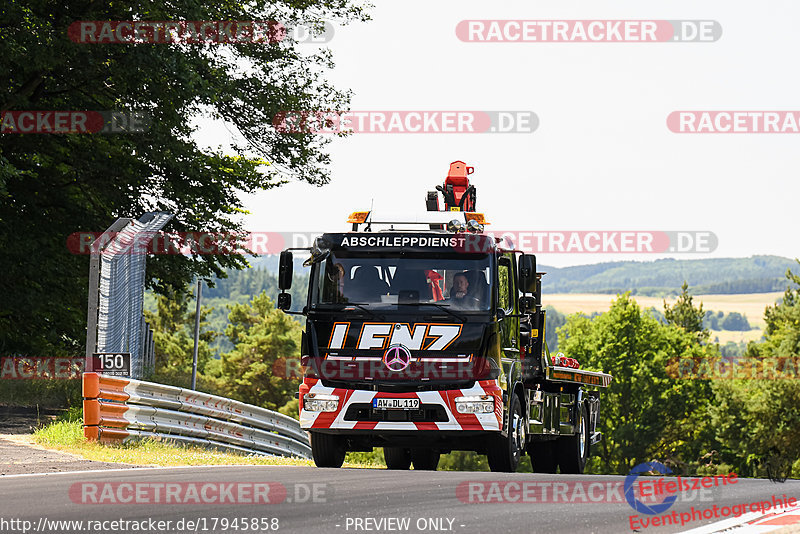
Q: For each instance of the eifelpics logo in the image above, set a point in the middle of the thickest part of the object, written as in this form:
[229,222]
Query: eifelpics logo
[630,481]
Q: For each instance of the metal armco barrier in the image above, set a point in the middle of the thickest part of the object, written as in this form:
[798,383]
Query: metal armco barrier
[117,410]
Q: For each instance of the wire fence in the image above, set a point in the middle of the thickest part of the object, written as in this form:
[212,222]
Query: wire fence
[120,299]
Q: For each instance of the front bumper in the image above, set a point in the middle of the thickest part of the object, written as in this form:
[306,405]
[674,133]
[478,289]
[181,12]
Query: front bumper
[438,410]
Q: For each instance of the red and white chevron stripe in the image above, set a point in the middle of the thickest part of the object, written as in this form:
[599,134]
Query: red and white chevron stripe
[444,398]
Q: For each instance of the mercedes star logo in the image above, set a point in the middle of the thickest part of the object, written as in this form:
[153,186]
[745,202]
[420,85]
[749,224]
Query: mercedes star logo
[396,358]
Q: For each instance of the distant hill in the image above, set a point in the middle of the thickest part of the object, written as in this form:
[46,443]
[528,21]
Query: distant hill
[756,274]
[270,262]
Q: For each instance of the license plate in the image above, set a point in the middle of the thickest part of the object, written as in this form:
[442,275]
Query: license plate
[395,404]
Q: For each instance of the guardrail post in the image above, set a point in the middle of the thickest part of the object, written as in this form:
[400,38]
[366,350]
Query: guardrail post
[91,405]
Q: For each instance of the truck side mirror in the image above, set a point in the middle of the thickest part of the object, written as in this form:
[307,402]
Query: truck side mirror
[526,273]
[284,301]
[285,273]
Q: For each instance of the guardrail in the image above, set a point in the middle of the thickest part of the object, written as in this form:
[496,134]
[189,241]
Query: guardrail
[118,410]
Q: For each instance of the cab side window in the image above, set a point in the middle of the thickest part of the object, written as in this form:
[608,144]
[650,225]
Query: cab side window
[504,284]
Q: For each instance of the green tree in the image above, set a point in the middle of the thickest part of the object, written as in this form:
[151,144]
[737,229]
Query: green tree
[644,412]
[264,338]
[173,336]
[685,315]
[753,418]
[54,185]
[711,321]
[735,321]
[555,320]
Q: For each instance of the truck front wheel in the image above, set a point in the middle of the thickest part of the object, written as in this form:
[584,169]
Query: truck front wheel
[543,456]
[425,459]
[572,451]
[397,458]
[505,452]
[328,450]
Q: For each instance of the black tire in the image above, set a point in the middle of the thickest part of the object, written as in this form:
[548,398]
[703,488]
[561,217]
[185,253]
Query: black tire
[397,458]
[505,452]
[572,451]
[328,450]
[543,456]
[425,459]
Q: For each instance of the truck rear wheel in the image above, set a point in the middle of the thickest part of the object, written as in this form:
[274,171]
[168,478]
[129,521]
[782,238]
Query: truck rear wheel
[543,456]
[572,451]
[328,450]
[397,458]
[505,452]
[425,459]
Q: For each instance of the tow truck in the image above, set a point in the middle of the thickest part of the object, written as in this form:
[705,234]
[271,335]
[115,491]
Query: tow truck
[425,334]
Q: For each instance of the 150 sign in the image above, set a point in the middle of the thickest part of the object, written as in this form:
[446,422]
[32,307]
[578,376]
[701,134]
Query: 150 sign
[112,363]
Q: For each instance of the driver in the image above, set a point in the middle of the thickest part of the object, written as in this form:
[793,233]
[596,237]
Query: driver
[458,293]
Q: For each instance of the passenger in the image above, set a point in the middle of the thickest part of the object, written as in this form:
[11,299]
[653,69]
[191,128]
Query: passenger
[459,297]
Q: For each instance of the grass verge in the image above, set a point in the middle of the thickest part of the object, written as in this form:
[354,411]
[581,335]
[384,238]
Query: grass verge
[67,436]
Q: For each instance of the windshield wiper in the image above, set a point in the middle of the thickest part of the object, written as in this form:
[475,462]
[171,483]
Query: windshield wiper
[443,307]
[360,305]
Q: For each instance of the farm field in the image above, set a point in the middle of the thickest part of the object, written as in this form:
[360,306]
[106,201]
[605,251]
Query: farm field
[750,305]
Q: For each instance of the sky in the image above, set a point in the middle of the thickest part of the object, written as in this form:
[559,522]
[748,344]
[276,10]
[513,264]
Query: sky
[602,157]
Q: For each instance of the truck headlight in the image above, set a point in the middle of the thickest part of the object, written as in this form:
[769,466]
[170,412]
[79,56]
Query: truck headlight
[317,402]
[475,404]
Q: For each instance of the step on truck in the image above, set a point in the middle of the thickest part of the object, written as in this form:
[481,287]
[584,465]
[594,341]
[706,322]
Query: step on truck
[425,334]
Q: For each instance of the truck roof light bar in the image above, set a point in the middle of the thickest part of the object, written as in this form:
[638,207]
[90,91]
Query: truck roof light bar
[473,216]
[358,217]
[426,218]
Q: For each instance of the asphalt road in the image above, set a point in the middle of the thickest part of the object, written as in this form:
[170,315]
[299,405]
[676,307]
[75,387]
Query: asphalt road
[432,501]
[19,454]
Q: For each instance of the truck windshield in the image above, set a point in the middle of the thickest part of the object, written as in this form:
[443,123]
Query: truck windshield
[385,281]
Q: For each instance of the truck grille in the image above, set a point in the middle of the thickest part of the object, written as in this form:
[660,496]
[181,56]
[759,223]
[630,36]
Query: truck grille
[427,413]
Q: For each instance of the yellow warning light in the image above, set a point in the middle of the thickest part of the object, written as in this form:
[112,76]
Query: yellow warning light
[472,216]
[358,217]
